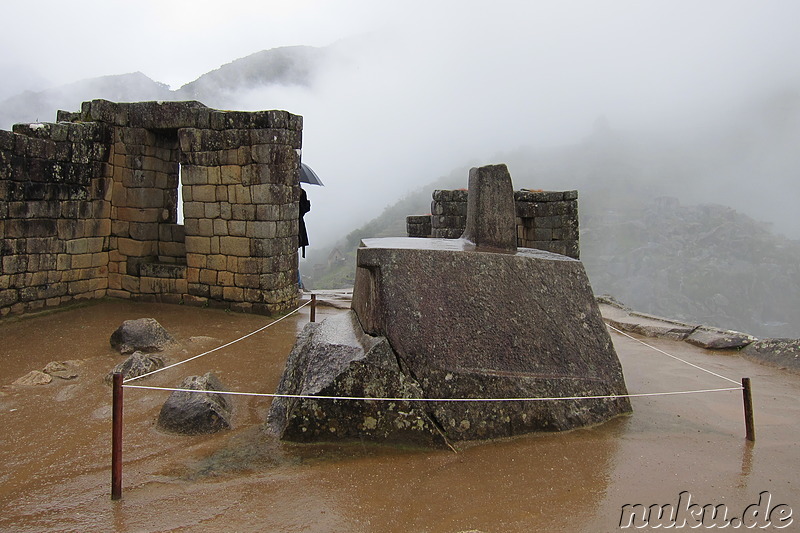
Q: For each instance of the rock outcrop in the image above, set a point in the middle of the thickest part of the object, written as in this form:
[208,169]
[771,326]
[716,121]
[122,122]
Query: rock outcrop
[194,413]
[143,334]
[782,353]
[336,358]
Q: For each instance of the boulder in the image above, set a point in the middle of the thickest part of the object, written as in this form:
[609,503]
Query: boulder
[783,353]
[194,413]
[336,358]
[61,369]
[623,319]
[136,365]
[143,334]
[34,377]
[719,339]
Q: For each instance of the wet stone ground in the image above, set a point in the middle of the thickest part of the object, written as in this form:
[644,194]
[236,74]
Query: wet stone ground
[55,444]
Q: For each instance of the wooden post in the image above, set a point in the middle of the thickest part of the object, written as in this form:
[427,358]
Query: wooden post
[747,395]
[313,307]
[116,438]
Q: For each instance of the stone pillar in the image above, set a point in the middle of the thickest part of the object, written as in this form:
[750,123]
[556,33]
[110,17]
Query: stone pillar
[491,216]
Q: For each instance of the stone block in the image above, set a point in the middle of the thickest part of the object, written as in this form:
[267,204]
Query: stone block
[234,294]
[237,246]
[239,194]
[230,175]
[225,278]
[247,281]
[193,210]
[197,245]
[204,193]
[237,228]
[268,212]
[194,175]
[211,210]
[205,227]
[14,264]
[134,248]
[217,262]
[143,231]
[139,215]
[243,212]
[261,229]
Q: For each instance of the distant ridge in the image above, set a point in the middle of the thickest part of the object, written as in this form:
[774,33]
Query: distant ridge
[291,65]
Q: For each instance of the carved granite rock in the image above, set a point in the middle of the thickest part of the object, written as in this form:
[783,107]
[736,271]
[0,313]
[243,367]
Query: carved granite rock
[472,318]
[491,325]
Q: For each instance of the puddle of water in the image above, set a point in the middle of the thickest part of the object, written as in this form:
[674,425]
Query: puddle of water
[55,445]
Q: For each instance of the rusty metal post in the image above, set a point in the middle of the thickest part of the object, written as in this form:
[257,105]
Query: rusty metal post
[116,438]
[747,395]
[313,307]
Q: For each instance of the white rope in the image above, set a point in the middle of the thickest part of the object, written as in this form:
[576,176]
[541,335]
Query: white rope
[218,347]
[364,398]
[674,356]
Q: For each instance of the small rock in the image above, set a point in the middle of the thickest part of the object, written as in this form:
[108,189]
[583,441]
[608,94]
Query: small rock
[61,369]
[136,365]
[194,413]
[34,377]
[143,334]
[201,339]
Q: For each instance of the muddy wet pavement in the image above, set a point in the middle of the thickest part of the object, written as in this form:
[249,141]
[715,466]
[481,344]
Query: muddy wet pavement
[55,444]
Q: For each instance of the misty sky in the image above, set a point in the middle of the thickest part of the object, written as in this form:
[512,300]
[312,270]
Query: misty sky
[423,87]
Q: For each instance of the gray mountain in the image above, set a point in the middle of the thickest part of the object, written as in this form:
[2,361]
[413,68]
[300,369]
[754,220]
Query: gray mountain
[293,65]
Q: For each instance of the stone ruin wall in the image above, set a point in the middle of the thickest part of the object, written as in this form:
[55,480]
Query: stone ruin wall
[546,220]
[88,207]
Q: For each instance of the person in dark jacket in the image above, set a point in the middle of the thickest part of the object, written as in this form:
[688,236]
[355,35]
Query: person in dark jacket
[305,207]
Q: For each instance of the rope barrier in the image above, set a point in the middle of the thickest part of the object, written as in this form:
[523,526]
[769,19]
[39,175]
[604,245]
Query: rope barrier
[380,399]
[119,384]
[674,356]
[218,347]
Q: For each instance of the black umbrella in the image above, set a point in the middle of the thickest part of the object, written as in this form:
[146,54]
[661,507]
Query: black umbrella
[309,176]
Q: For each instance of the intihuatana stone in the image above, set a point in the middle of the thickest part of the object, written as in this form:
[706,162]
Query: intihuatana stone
[143,334]
[491,325]
[336,358]
[193,413]
[138,364]
[472,318]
